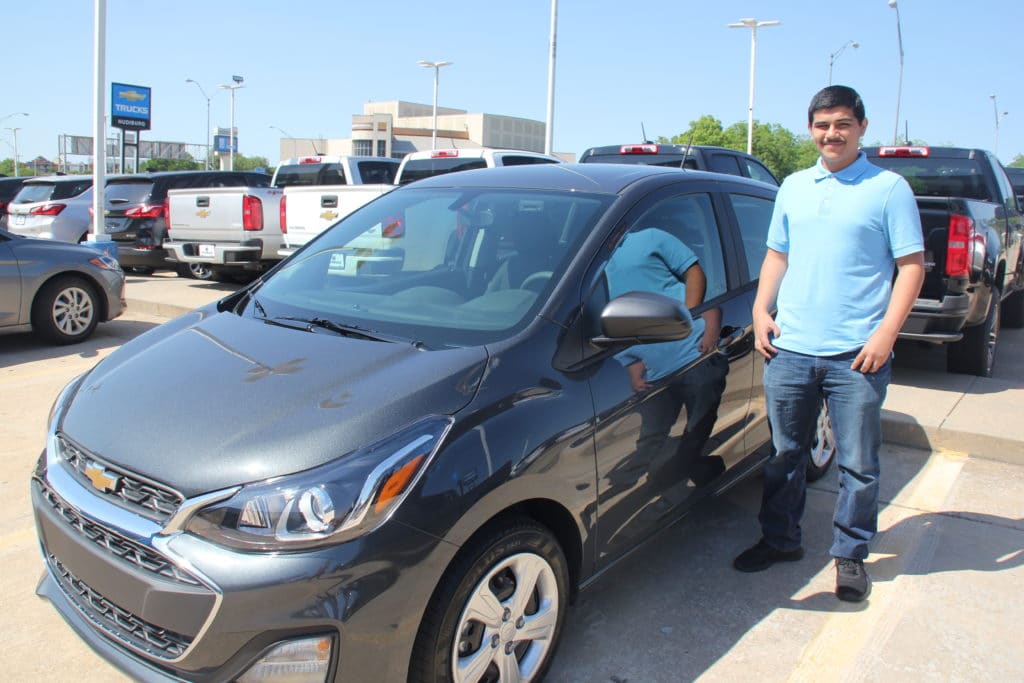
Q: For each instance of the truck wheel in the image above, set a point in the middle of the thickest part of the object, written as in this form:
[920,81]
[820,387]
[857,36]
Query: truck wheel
[498,611]
[196,271]
[975,354]
[1013,310]
[823,450]
[65,310]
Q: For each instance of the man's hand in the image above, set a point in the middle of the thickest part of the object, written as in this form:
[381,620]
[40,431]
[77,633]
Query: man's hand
[764,329]
[636,376]
[875,353]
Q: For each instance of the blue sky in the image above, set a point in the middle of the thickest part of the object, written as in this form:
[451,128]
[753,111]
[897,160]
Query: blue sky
[309,65]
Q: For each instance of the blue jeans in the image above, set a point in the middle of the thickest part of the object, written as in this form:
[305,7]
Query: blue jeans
[794,385]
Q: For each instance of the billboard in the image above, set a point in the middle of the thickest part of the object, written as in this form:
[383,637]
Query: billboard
[130,106]
[225,143]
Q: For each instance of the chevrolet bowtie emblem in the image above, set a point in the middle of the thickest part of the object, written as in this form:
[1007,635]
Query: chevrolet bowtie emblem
[329,215]
[203,213]
[101,480]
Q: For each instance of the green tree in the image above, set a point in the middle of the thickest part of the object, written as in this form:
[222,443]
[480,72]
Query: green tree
[1018,161]
[244,163]
[7,168]
[187,164]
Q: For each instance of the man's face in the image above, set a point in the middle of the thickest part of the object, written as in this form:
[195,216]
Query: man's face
[837,134]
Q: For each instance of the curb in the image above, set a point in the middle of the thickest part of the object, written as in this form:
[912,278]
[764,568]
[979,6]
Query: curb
[903,430]
[162,310]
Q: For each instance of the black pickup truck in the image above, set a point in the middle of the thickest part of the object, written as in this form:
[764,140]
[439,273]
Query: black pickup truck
[974,273]
[696,157]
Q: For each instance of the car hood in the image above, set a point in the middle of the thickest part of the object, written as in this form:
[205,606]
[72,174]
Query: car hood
[212,400]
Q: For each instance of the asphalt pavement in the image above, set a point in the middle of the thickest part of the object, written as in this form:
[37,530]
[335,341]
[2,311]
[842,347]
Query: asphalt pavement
[948,563]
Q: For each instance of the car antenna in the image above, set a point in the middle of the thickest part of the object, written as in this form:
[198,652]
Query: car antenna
[316,152]
[686,155]
[643,134]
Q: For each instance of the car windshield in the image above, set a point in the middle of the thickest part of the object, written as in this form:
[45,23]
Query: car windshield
[418,169]
[443,267]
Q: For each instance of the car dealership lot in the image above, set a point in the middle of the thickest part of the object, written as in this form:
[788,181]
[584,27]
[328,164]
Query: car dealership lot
[948,565]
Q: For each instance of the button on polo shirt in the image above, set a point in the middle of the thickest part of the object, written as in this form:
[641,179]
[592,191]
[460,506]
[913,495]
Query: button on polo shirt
[842,233]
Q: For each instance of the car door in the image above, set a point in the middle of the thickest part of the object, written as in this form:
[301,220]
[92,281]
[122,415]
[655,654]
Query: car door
[659,445]
[10,285]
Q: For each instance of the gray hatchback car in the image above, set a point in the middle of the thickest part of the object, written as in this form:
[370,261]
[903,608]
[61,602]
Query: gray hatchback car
[60,291]
[52,207]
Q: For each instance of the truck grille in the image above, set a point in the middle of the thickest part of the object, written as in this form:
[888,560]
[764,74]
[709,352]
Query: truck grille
[117,622]
[129,551]
[131,492]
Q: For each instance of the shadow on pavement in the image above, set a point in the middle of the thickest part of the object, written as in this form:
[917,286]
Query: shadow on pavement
[17,349]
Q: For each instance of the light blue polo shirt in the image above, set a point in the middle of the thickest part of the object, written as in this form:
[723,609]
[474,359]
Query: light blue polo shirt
[842,232]
[652,260]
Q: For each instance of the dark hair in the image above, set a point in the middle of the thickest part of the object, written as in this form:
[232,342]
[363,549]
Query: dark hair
[836,96]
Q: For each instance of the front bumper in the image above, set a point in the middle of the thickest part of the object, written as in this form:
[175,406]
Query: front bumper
[177,607]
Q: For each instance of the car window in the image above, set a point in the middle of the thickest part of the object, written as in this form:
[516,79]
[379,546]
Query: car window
[754,215]
[759,172]
[377,172]
[517,160]
[256,180]
[939,177]
[690,219]
[128,191]
[417,169]
[43,192]
[724,163]
[448,267]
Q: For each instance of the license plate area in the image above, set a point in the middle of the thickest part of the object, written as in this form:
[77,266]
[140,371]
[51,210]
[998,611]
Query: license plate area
[207,251]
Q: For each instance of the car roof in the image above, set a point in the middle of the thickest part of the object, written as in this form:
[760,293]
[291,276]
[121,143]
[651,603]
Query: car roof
[475,152]
[57,179]
[663,148]
[599,178]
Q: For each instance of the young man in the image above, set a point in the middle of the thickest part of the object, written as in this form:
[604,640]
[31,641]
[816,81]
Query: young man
[837,231]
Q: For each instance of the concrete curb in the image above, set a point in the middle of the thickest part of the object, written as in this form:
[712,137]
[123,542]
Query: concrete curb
[904,430]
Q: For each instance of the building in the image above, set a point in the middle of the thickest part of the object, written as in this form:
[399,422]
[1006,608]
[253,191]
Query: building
[394,129]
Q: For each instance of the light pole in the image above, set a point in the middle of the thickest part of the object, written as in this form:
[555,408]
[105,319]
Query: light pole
[436,66]
[753,25]
[14,131]
[995,110]
[835,55]
[549,131]
[207,98]
[285,133]
[232,140]
[17,113]
[899,85]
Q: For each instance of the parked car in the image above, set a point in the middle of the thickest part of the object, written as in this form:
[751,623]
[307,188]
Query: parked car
[411,469]
[431,162]
[974,264]
[697,157]
[52,207]
[1016,176]
[8,188]
[60,291]
[136,211]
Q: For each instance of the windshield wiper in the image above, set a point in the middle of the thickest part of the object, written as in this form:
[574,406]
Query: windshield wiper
[347,330]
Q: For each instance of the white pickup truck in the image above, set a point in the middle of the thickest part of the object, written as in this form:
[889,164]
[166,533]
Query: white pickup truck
[223,232]
[322,189]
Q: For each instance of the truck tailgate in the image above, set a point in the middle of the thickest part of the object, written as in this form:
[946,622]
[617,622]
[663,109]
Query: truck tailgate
[216,214]
[312,209]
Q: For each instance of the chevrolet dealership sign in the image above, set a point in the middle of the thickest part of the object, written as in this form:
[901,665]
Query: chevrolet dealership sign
[129,106]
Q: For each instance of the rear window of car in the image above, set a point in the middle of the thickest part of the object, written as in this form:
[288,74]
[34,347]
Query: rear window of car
[298,175]
[418,169]
[44,192]
[937,177]
[377,172]
[128,191]
[670,160]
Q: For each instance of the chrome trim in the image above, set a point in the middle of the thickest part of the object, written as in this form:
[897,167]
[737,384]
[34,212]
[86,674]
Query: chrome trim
[178,521]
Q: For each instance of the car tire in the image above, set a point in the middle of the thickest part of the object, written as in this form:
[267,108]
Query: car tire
[1012,313]
[823,450]
[65,310]
[510,582]
[975,354]
[142,270]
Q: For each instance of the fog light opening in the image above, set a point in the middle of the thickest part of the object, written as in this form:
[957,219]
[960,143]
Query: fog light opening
[293,661]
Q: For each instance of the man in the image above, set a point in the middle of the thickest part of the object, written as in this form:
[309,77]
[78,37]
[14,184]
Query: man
[836,233]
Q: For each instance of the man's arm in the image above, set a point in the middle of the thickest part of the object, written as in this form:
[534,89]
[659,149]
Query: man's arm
[905,289]
[773,269]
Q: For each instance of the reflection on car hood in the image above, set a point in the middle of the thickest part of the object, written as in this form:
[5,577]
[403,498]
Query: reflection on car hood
[214,400]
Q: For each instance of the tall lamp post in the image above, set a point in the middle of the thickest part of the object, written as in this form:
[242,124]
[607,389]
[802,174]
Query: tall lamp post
[835,55]
[14,131]
[207,98]
[753,25]
[549,131]
[995,110]
[232,140]
[287,135]
[436,66]
[899,86]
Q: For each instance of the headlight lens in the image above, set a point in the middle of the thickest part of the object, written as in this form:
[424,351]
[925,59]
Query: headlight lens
[105,262]
[336,502]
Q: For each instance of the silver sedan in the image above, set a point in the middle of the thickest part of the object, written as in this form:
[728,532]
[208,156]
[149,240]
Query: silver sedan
[60,291]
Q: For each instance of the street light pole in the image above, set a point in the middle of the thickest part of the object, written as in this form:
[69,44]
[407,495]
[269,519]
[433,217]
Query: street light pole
[436,66]
[14,131]
[835,55]
[206,97]
[549,132]
[17,113]
[232,140]
[995,111]
[899,87]
[753,25]
[287,135]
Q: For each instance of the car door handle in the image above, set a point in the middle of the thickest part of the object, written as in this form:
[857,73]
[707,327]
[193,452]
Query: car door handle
[329,201]
[202,201]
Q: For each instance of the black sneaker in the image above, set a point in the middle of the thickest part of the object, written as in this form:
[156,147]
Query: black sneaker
[762,556]
[852,581]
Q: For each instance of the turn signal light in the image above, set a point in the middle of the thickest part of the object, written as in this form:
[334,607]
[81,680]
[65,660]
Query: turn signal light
[252,213]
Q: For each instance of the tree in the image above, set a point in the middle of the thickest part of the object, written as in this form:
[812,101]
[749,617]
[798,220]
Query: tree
[187,164]
[7,168]
[244,163]
[1018,161]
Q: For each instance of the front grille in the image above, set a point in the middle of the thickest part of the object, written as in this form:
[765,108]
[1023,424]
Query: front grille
[129,551]
[131,492]
[116,621]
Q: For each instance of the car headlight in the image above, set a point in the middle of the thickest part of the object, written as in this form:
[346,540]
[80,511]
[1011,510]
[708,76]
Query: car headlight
[105,262]
[333,503]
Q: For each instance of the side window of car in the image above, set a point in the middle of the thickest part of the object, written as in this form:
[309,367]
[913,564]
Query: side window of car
[512,160]
[759,172]
[724,163]
[678,229]
[754,215]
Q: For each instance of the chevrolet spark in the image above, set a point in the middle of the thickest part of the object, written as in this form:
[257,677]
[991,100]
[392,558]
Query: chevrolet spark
[418,437]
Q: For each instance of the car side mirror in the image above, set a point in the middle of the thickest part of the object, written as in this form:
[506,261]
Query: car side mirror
[643,318]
